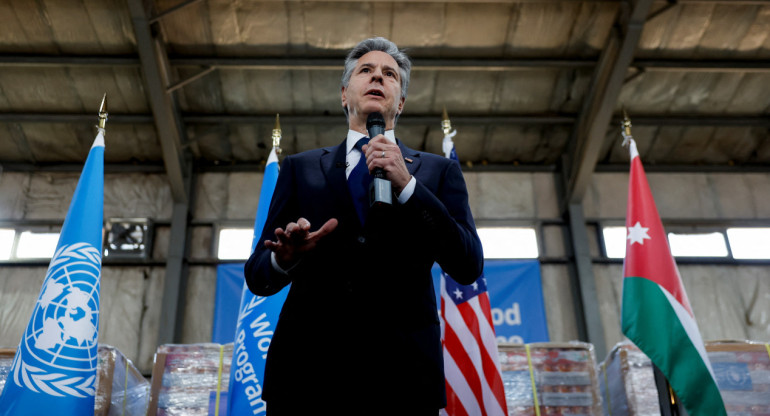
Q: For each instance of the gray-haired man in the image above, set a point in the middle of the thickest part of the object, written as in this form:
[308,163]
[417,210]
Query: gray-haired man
[359,332]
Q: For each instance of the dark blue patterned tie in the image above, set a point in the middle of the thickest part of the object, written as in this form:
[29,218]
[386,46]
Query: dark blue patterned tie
[359,181]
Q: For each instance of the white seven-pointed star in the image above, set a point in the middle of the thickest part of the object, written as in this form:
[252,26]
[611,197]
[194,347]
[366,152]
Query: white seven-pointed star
[637,233]
[475,286]
[458,294]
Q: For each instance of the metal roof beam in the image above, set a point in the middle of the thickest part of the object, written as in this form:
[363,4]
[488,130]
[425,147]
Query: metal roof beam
[255,166]
[421,64]
[167,121]
[172,10]
[590,131]
[661,120]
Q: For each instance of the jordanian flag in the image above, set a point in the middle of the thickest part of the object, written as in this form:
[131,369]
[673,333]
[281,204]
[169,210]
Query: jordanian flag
[656,314]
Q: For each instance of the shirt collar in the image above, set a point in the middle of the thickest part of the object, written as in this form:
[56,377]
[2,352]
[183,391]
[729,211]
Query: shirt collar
[354,136]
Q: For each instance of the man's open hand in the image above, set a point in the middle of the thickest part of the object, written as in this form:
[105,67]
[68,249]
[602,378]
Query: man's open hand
[296,240]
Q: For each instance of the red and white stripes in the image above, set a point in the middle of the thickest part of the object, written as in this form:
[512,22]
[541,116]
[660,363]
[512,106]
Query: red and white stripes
[473,380]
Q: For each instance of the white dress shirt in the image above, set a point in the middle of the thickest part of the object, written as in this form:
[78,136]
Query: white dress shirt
[354,155]
[351,159]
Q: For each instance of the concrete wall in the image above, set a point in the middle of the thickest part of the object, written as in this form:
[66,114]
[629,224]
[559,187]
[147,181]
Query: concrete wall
[729,301]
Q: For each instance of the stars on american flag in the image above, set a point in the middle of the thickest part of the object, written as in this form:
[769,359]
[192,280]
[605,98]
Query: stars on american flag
[463,293]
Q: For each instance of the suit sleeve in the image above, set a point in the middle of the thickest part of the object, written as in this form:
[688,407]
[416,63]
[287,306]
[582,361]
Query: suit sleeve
[444,222]
[261,278]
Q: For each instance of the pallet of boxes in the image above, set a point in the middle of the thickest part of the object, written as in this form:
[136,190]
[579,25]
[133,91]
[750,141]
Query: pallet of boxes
[190,380]
[120,387]
[6,360]
[627,383]
[742,370]
[550,379]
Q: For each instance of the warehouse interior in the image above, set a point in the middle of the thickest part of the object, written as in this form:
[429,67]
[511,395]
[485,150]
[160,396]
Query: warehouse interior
[535,89]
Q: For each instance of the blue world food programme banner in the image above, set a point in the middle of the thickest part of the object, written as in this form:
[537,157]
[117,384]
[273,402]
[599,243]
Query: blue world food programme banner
[255,324]
[230,283]
[516,297]
[514,286]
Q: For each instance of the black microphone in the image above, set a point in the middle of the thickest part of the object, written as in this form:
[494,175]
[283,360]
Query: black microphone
[379,190]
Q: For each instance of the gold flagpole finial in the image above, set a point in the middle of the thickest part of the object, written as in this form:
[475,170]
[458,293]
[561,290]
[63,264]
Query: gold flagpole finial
[626,129]
[103,112]
[277,135]
[446,125]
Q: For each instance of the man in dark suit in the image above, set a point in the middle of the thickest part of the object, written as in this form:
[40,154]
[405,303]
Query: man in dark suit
[359,332]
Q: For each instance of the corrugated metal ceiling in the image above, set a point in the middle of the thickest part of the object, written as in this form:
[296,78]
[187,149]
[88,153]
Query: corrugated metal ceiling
[514,76]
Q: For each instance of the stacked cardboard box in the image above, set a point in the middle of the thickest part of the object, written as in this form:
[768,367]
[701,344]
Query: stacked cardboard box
[627,383]
[121,388]
[742,370]
[190,379]
[6,360]
[559,378]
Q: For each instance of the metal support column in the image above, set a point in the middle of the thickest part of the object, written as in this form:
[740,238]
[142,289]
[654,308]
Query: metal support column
[175,284]
[584,284]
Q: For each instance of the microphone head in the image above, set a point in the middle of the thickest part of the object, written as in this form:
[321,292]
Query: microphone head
[375,124]
[375,119]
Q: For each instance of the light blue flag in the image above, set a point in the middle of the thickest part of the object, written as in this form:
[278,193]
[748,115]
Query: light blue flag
[257,318]
[54,370]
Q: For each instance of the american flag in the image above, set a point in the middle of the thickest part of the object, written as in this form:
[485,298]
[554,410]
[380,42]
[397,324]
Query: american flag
[474,382]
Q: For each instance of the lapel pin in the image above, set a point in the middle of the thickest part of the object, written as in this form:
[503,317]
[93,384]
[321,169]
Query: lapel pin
[408,160]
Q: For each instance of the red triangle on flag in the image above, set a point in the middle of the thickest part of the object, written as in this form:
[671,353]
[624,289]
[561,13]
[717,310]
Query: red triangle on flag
[647,251]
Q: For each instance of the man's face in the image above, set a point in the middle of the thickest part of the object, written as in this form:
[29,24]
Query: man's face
[374,86]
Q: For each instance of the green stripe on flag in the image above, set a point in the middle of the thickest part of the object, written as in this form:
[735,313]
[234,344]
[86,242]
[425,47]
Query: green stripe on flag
[650,321]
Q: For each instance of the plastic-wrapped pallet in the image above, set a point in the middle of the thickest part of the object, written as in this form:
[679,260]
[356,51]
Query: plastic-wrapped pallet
[627,383]
[550,379]
[121,388]
[742,370]
[190,380]
[6,360]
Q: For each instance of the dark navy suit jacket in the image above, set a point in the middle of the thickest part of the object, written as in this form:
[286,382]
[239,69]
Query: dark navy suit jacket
[360,323]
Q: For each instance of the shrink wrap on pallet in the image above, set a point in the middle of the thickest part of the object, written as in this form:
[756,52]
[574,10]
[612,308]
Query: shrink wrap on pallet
[190,379]
[550,379]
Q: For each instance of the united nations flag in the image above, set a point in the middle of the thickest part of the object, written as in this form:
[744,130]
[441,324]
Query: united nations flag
[54,370]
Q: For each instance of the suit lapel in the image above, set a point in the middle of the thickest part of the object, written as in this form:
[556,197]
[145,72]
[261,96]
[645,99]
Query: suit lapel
[333,167]
[411,158]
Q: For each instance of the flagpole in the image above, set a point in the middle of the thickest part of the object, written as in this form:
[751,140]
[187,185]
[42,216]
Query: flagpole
[668,402]
[463,353]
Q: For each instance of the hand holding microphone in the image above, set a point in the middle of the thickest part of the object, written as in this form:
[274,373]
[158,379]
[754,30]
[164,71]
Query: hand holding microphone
[380,192]
[384,155]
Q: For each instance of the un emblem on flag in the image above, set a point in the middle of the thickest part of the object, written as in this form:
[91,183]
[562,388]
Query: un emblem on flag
[58,354]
